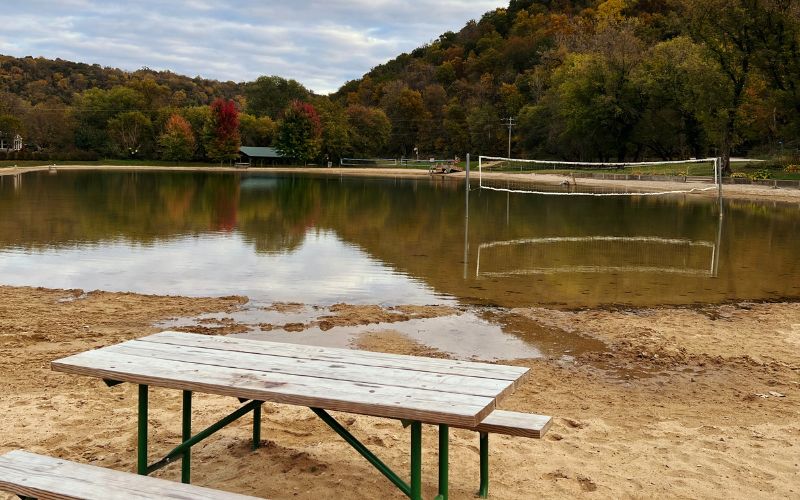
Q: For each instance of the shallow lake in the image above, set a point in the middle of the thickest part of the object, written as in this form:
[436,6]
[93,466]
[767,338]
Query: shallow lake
[323,239]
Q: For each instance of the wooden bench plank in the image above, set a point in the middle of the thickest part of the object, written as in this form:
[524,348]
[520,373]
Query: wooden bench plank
[363,398]
[456,384]
[515,424]
[47,478]
[452,367]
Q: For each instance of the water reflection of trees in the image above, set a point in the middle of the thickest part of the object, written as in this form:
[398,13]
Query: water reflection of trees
[414,225]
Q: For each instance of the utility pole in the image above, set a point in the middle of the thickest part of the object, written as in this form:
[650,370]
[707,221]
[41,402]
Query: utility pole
[509,122]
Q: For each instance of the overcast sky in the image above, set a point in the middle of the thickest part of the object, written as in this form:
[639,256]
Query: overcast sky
[320,43]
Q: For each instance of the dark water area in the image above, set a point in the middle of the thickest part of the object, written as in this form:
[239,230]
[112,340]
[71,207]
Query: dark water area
[321,239]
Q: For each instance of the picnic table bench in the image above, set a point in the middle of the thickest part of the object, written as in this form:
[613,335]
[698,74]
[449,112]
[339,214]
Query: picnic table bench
[36,476]
[415,390]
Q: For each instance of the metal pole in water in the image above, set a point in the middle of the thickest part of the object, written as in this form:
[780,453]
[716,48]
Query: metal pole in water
[466,232]
[717,250]
[467,173]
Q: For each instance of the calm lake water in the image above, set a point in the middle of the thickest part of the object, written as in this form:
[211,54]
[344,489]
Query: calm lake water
[324,239]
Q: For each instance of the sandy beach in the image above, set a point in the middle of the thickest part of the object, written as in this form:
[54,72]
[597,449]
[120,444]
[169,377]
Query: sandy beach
[731,191]
[700,402]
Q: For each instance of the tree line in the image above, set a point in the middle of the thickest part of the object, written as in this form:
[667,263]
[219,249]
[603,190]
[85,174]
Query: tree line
[582,79]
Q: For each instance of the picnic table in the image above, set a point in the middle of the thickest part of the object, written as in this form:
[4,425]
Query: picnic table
[415,390]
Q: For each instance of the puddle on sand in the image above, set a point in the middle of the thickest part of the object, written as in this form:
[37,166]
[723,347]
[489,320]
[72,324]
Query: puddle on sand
[475,334]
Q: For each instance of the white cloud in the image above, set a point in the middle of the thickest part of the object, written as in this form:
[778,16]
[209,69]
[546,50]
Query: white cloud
[319,43]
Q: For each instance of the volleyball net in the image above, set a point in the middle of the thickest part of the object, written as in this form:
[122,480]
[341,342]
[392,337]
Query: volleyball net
[368,162]
[564,177]
[422,163]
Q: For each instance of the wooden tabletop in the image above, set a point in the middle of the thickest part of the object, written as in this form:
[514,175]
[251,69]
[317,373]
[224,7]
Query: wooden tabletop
[436,391]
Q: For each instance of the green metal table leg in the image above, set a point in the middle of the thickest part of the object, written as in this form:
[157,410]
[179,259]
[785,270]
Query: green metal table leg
[416,461]
[186,459]
[141,463]
[483,492]
[180,450]
[257,427]
[363,451]
[444,462]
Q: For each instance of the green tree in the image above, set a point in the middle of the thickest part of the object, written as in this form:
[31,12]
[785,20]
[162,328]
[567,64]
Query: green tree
[95,108]
[369,130]
[269,95]
[683,88]
[128,132]
[299,132]
[10,126]
[335,138]
[256,131]
[727,29]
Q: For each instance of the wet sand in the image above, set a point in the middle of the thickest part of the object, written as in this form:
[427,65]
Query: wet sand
[731,191]
[699,402]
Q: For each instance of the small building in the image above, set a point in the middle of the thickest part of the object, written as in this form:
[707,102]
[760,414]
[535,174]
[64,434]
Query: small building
[13,145]
[259,156]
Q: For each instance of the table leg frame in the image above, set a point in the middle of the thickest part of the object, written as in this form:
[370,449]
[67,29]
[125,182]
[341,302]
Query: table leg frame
[444,462]
[186,434]
[413,489]
[183,451]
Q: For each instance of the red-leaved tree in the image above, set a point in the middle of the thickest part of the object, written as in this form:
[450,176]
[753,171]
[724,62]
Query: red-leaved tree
[222,133]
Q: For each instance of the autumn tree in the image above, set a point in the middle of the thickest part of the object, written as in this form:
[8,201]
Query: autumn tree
[198,117]
[299,132]
[222,131]
[177,141]
[406,111]
[50,125]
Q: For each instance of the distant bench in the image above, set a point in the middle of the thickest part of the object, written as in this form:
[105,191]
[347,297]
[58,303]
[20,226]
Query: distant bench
[29,476]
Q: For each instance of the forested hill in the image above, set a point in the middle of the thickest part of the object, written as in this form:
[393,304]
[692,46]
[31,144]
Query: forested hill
[577,79]
[599,79]
[37,80]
